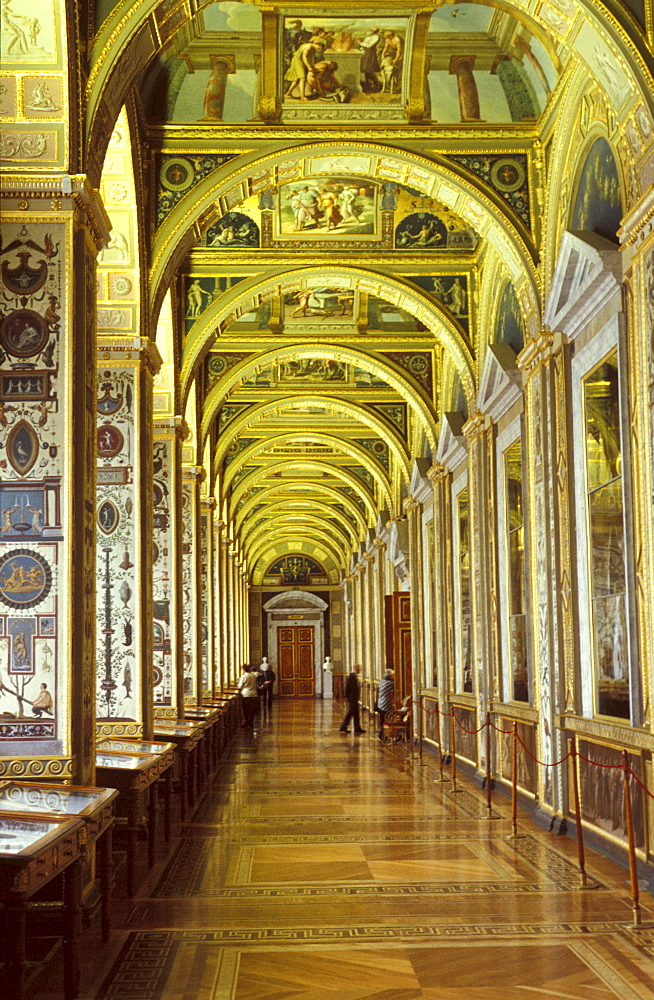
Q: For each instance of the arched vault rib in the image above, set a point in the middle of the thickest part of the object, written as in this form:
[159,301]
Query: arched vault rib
[453,186]
[306,468]
[309,531]
[343,446]
[357,412]
[318,490]
[311,508]
[250,292]
[298,539]
[317,521]
[333,566]
[385,369]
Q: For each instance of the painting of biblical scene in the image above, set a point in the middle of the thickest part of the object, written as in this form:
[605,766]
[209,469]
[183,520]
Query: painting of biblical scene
[598,205]
[321,303]
[234,231]
[483,67]
[427,231]
[510,324]
[451,291]
[344,60]
[328,206]
[312,370]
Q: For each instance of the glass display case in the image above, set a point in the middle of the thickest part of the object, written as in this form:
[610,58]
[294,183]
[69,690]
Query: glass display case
[132,746]
[123,761]
[24,834]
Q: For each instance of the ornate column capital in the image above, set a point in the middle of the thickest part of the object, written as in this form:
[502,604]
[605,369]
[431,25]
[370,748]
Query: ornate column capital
[111,347]
[476,426]
[410,504]
[436,473]
[536,352]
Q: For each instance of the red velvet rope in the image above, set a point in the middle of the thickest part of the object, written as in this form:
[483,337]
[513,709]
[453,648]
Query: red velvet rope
[506,732]
[643,786]
[542,762]
[609,767]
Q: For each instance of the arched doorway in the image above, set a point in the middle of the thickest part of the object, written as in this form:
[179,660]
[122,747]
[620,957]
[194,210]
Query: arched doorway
[296,626]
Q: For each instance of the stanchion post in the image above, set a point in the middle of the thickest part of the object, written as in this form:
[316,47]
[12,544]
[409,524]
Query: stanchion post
[572,746]
[420,729]
[440,744]
[514,782]
[633,870]
[453,747]
[489,791]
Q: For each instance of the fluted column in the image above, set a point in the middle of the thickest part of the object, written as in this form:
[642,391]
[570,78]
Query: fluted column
[462,67]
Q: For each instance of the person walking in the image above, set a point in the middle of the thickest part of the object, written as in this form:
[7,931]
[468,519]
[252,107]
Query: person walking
[352,692]
[385,699]
[265,680]
[247,685]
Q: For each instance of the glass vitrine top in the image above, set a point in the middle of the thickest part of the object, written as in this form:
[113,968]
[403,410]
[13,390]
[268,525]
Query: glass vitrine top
[123,761]
[44,799]
[175,731]
[132,746]
[17,835]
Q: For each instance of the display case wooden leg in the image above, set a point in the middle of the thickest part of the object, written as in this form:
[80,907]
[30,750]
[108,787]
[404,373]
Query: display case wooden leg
[153,809]
[168,798]
[72,928]
[15,942]
[183,794]
[106,863]
[132,833]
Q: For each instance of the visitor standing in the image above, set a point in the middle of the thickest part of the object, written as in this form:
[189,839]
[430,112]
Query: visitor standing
[352,692]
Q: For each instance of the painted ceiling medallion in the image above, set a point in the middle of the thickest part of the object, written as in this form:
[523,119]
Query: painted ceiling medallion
[108,517]
[25,578]
[23,333]
[110,441]
[22,447]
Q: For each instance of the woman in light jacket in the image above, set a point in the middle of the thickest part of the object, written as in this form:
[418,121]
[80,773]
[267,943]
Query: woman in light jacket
[247,685]
[385,699]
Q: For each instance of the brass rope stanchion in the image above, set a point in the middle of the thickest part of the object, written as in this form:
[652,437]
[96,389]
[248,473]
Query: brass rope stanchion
[633,870]
[442,777]
[420,731]
[489,792]
[581,855]
[514,786]
[453,748]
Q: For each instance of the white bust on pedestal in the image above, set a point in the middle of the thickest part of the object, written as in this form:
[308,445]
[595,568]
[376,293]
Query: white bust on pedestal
[264,664]
[327,678]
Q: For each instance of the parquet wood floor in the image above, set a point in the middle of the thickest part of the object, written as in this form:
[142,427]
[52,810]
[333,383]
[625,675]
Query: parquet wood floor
[323,867]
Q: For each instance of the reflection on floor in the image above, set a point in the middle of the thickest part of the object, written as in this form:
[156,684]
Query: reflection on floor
[319,867]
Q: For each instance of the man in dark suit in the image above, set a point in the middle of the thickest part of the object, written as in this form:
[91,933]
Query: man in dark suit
[265,680]
[352,690]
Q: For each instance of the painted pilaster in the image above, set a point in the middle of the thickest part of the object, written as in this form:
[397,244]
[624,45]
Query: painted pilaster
[413,510]
[167,571]
[537,364]
[47,477]
[207,595]
[191,603]
[125,370]
[219,657]
[483,527]
[637,238]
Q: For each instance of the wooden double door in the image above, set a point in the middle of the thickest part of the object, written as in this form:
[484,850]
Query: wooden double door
[296,657]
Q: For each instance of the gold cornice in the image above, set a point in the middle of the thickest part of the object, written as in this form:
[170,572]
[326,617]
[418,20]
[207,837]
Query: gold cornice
[536,353]
[436,473]
[476,426]
[60,187]
[607,732]
[114,348]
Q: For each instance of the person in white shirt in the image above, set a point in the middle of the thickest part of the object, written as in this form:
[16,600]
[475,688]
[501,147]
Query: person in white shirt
[247,685]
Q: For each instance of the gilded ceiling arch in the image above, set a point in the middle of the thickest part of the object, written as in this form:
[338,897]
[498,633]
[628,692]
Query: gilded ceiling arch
[136,30]
[314,550]
[311,529]
[317,510]
[358,412]
[342,446]
[306,468]
[318,489]
[249,293]
[435,177]
[415,397]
